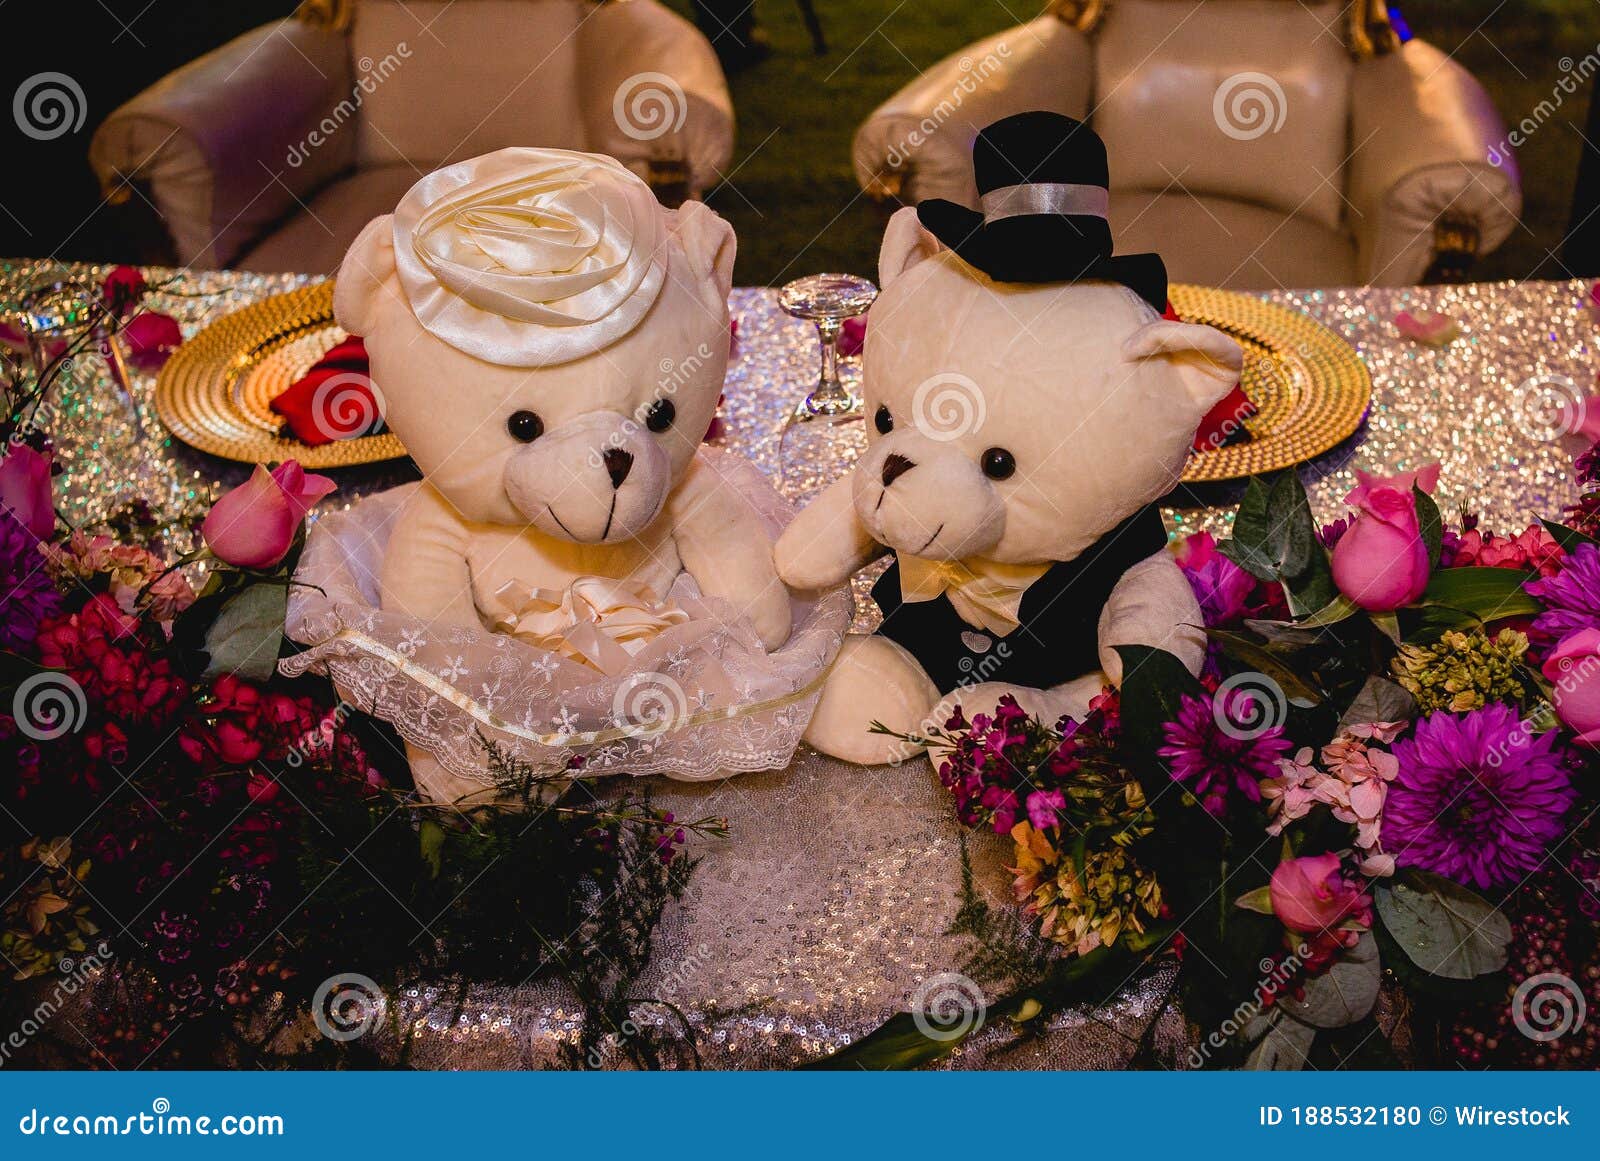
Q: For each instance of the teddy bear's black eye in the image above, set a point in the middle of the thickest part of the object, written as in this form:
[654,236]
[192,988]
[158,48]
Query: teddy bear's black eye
[525,426]
[660,414]
[883,421]
[998,463]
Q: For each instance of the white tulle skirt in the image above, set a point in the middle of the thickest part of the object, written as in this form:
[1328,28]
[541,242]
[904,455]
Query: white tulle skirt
[696,697]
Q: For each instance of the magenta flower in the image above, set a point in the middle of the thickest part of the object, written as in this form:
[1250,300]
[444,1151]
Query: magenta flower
[1045,808]
[1571,597]
[1214,758]
[30,597]
[1222,587]
[1477,799]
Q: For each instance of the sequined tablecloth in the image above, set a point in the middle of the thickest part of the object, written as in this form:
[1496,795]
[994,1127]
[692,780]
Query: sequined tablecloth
[825,911]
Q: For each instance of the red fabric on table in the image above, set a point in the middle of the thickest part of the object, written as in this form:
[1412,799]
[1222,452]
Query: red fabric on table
[334,399]
[1224,423]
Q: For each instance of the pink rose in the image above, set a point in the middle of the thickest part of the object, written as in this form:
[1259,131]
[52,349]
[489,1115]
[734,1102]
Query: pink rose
[852,336]
[25,489]
[150,339]
[1573,670]
[1380,562]
[123,288]
[1311,895]
[253,525]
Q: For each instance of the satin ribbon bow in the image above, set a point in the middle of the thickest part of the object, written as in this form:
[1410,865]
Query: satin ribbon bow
[984,593]
[595,620]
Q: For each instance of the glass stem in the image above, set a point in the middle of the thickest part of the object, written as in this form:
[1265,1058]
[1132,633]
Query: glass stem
[828,386]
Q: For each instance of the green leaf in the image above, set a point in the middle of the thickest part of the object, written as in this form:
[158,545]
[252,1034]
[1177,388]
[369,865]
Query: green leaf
[1259,901]
[1153,685]
[248,632]
[1343,994]
[1263,660]
[1488,594]
[1340,608]
[900,1042]
[1388,624]
[1286,1046]
[1275,538]
[1567,538]
[1283,635]
[1307,577]
[1379,700]
[430,839]
[1249,547]
[1432,526]
[1442,926]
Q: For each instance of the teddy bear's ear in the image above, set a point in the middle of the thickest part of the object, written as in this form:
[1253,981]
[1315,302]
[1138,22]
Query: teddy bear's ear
[366,273]
[1207,361]
[905,243]
[709,241]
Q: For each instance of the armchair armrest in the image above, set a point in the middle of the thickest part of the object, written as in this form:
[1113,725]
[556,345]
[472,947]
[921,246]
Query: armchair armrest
[918,143]
[1432,169]
[227,143]
[643,70]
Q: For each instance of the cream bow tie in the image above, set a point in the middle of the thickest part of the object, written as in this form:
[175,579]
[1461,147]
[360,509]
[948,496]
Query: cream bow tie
[984,593]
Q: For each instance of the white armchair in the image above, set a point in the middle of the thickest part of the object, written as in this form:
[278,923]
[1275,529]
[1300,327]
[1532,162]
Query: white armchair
[1253,143]
[273,151]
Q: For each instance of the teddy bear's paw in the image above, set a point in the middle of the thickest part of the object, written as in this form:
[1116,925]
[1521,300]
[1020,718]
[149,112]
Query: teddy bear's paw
[873,680]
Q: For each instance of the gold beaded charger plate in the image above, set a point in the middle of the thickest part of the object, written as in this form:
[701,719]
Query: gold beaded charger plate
[1309,386]
[215,393]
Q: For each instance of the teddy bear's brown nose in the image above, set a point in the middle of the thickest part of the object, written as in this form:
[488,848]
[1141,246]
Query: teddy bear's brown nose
[618,464]
[895,465]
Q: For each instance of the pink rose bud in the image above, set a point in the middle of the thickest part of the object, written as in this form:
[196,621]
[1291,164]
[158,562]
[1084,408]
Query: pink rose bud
[852,336]
[253,525]
[122,288]
[1381,562]
[25,489]
[1312,895]
[1573,670]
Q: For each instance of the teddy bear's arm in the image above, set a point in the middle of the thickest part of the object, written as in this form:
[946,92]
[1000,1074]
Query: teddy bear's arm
[1152,605]
[425,570]
[725,546]
[825,543]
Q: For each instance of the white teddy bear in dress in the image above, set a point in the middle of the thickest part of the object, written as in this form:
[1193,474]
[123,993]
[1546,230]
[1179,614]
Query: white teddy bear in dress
[550,344]
[1021,425]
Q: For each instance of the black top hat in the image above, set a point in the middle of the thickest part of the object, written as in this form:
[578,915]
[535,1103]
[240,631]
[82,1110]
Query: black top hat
[1043,184]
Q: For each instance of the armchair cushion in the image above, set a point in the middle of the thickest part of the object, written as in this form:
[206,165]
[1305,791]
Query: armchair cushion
[1248,99]
[225,143]
[1044,64]
[664,76]
[471,77]
[315,241]
[1424,132]
[1217,241]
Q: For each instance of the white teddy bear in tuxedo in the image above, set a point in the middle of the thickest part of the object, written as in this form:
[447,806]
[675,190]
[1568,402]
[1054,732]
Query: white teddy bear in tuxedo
[1019,435]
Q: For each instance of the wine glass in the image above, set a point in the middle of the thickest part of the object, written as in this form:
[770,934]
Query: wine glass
[65,319]
[828,300]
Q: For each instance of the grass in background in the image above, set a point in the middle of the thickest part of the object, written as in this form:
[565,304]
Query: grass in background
[793,198]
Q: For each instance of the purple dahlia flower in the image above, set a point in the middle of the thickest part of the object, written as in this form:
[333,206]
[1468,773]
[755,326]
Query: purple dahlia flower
[1477,798]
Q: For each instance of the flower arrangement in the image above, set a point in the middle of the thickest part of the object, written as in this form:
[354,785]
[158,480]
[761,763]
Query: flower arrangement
[218,841]
[1384,775]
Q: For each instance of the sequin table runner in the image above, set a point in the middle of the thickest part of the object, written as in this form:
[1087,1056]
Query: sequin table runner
[826,909]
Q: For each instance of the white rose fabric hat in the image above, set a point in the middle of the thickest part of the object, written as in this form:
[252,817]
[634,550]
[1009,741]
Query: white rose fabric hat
[531,257]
